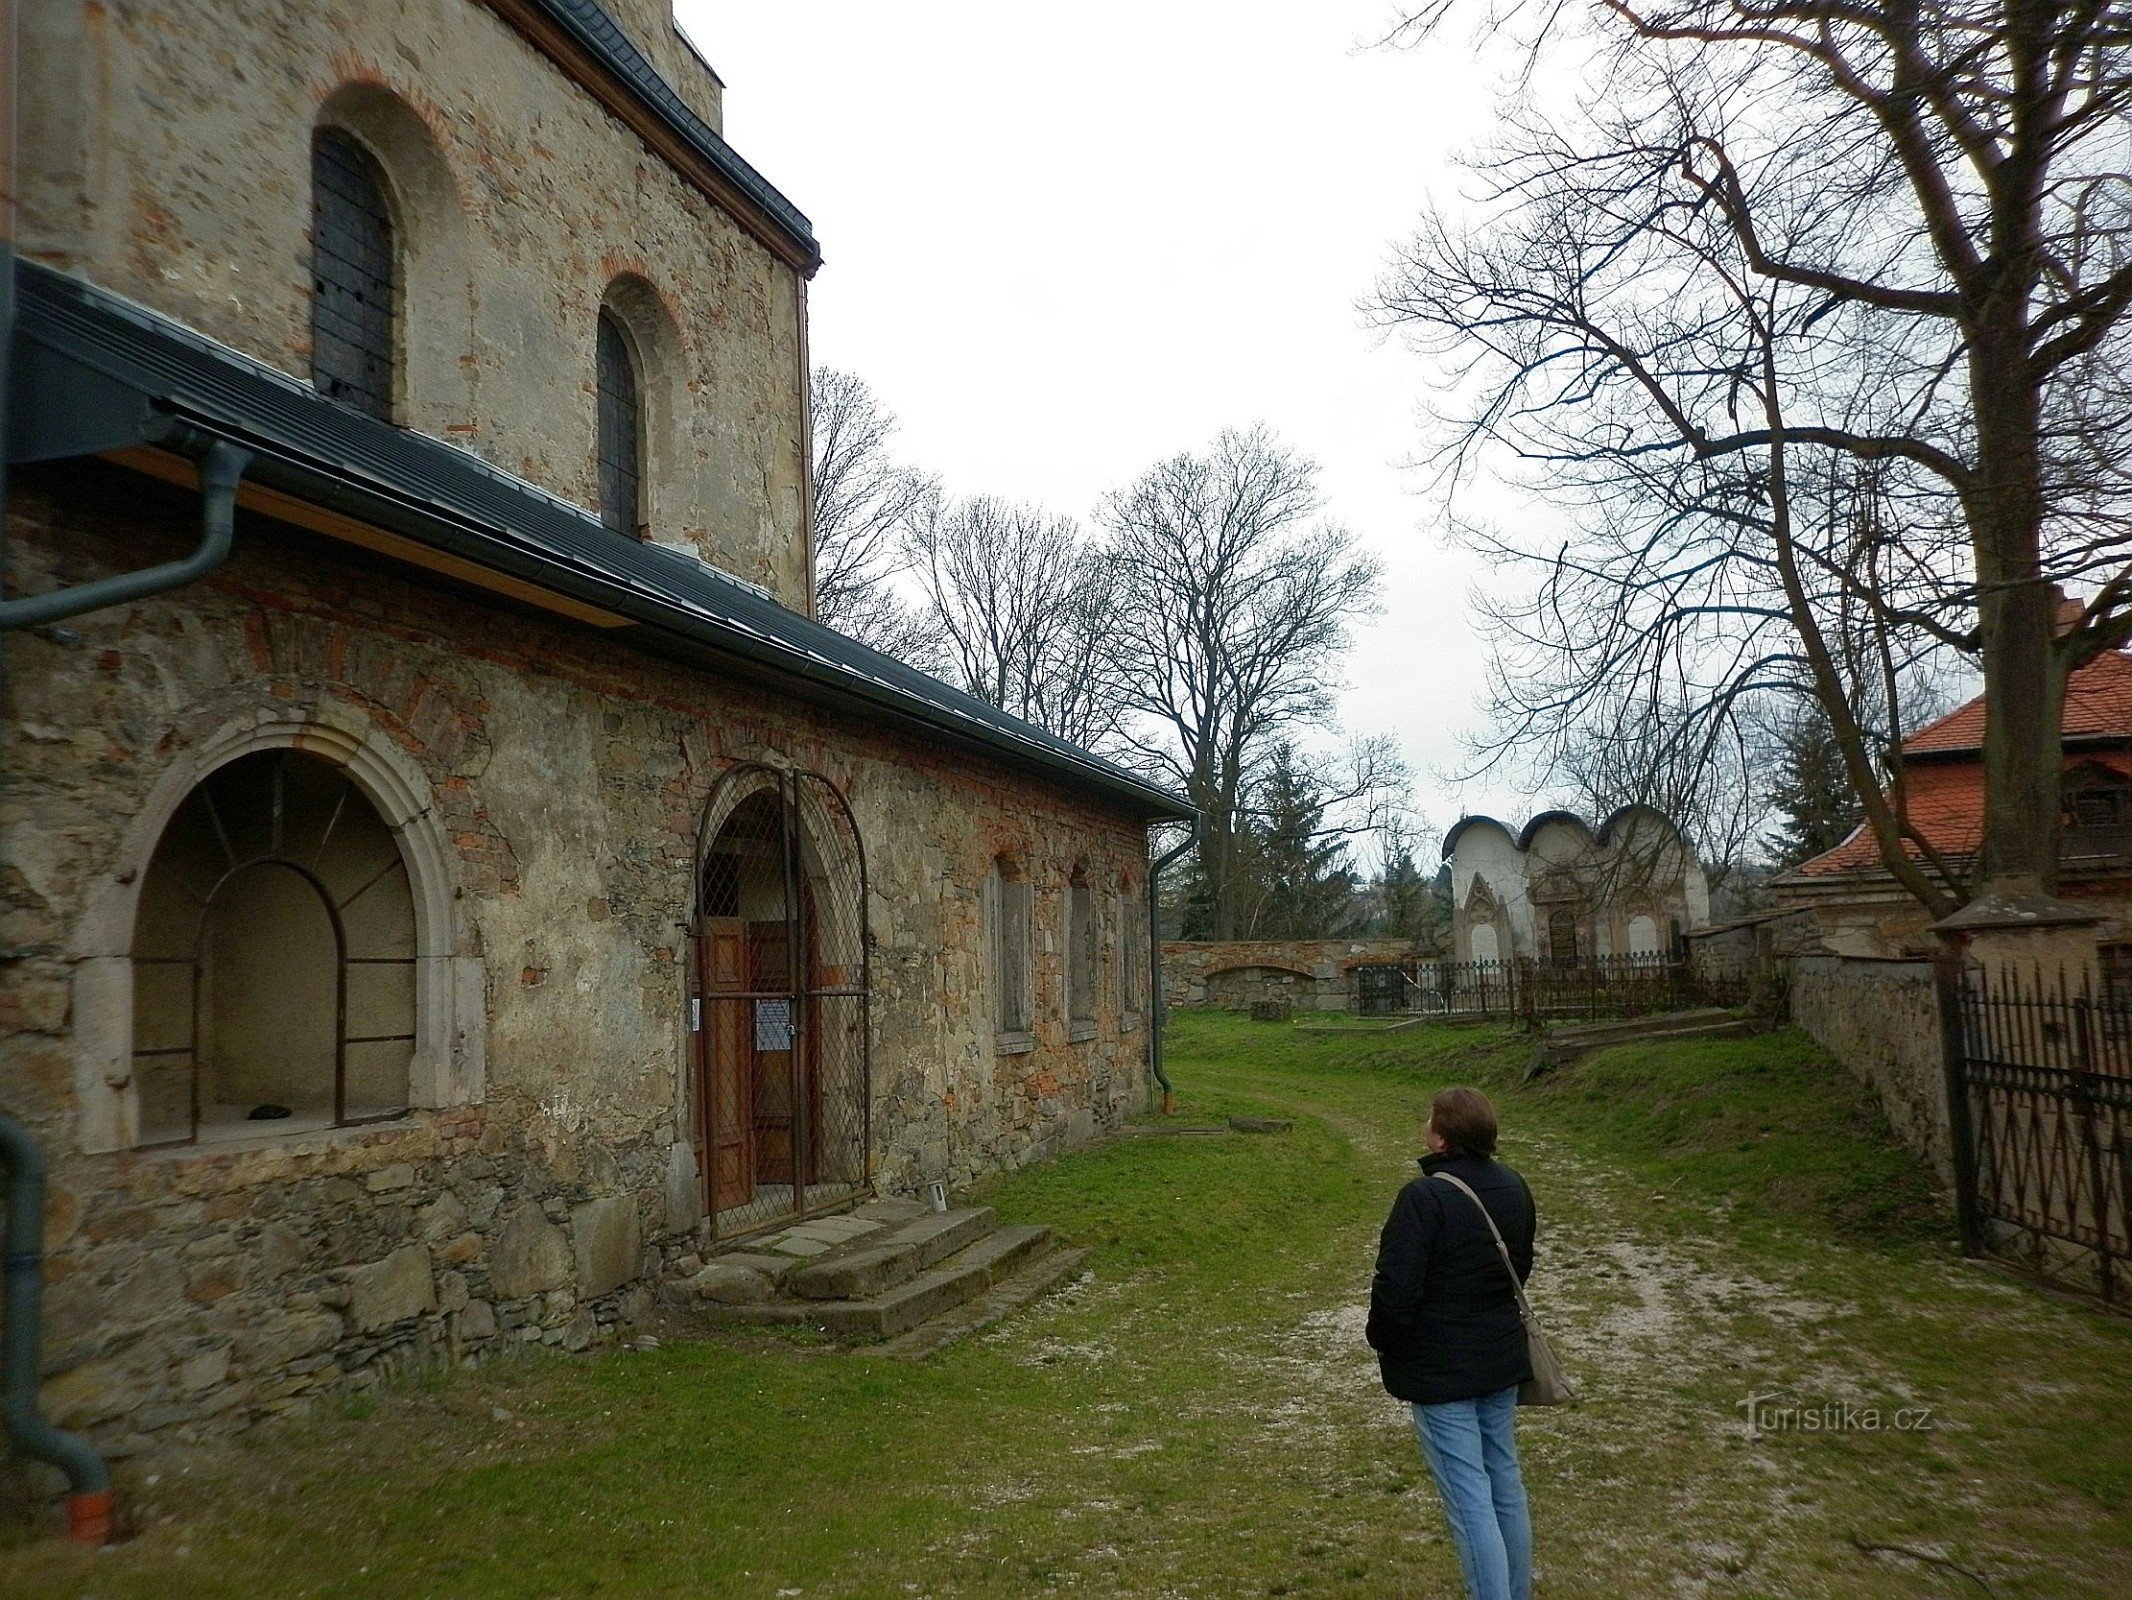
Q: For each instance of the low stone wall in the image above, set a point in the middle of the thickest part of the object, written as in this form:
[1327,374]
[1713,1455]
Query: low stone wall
[1310,974]
[1881,1019]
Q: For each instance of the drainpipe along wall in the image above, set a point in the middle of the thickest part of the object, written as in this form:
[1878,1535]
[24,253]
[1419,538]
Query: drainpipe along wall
[1158,1007]
[221,464]
[88,1478]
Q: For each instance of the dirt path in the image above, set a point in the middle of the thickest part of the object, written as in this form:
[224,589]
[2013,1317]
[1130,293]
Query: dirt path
[1656,1477]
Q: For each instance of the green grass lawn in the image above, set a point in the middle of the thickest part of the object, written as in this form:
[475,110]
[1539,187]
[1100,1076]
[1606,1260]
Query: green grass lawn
[1197,1415]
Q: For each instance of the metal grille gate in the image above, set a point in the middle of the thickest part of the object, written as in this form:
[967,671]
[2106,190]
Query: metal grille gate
[2040,1087]
[780,995]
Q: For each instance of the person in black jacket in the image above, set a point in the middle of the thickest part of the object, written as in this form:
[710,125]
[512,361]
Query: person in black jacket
[1449,1342]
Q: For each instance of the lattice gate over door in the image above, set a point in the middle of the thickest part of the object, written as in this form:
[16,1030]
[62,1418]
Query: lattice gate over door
[779,1004]
[2040,1090]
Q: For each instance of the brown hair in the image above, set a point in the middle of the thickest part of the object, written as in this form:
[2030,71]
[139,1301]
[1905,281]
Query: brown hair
[1464,1120]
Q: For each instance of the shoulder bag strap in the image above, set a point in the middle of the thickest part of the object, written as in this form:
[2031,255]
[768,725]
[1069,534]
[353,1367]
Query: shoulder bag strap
[1517,1287]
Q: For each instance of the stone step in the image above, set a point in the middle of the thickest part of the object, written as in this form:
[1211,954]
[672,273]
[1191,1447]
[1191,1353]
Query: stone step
[961,1277]
[880,1261]
[1045,1273]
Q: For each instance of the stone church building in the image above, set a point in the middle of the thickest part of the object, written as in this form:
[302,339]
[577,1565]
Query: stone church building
[485,885]
[1561,892]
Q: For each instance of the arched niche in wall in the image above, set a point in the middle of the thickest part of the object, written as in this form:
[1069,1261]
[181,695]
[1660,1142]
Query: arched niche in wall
[413,932]
[434,314]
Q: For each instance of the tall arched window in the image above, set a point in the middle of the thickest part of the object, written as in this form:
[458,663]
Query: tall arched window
[274,958]
[621,431]
[353,276]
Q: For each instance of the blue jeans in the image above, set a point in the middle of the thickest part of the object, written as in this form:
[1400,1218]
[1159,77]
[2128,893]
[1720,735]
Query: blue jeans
[1472,1449]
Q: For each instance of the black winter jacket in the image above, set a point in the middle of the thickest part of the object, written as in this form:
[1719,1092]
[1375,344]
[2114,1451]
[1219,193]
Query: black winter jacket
[1443,1321]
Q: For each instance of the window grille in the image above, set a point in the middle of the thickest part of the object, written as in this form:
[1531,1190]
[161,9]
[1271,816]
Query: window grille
[621,432]
[352,272]
[274,958]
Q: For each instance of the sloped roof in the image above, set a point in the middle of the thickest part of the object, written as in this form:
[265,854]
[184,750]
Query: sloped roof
[111,375]
[1946,788]
[2098,705]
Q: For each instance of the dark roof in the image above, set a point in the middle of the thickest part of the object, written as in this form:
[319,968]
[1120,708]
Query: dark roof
[108,375]
[1523,837]
[598,33]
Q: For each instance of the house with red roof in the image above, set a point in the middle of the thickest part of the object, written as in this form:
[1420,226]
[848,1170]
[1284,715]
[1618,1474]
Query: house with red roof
[1857,906]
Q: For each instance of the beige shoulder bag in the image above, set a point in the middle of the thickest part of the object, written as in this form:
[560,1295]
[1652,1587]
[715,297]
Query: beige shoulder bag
[1547,1386]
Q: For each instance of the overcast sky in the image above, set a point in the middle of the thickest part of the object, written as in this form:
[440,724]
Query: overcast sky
[1061,244]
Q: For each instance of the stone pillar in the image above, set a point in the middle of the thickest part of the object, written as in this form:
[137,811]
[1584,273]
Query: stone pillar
[2026,939]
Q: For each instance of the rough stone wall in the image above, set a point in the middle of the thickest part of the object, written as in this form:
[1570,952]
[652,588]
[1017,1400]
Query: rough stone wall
[1315,974]
[167,157]
[567,776]
[1881,1019]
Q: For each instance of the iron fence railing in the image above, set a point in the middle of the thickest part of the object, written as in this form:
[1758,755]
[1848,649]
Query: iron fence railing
[1610,986]
[2041,1096]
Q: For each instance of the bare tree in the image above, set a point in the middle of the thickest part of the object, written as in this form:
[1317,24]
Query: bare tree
[1020,600]
[1231,599]
[1819,321]
[865,504]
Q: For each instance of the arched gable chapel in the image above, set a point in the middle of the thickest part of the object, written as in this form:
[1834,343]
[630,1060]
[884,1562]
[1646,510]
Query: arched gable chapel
[487,886]
[1560,892]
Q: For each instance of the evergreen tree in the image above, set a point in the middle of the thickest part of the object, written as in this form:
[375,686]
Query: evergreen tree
[1301,886]
[1812,793]
[1406,898]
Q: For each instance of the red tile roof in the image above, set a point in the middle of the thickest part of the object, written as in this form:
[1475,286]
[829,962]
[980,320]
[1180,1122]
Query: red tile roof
[1946,798]
[2098,704]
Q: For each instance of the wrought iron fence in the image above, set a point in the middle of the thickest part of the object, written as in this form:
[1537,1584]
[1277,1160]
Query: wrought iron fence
[2040,1087]
[1611,986]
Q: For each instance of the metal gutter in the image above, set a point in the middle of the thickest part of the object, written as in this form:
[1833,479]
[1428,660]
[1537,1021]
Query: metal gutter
[221,465]
[113,374]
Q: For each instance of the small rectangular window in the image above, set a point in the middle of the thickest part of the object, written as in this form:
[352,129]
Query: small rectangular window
[1011,926]
[1132,952]
[1080,960]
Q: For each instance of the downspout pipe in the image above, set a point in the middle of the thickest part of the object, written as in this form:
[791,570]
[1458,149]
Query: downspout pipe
[221,467]
[1156,1003]
[88,1478]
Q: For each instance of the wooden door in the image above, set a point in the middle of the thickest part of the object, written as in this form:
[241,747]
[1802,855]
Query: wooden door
[725,1061]
[776,1092]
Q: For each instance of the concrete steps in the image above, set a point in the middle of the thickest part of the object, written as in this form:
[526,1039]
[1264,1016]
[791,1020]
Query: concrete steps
[897,1277]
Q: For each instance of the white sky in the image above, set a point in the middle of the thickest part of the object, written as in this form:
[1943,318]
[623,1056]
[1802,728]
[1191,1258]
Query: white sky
[1063,244]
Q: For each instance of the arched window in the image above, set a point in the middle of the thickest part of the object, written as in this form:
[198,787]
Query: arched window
[621,431]
[353,276]
[274,958]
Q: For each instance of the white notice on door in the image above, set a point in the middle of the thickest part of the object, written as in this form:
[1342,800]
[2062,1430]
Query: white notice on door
[773,1024]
